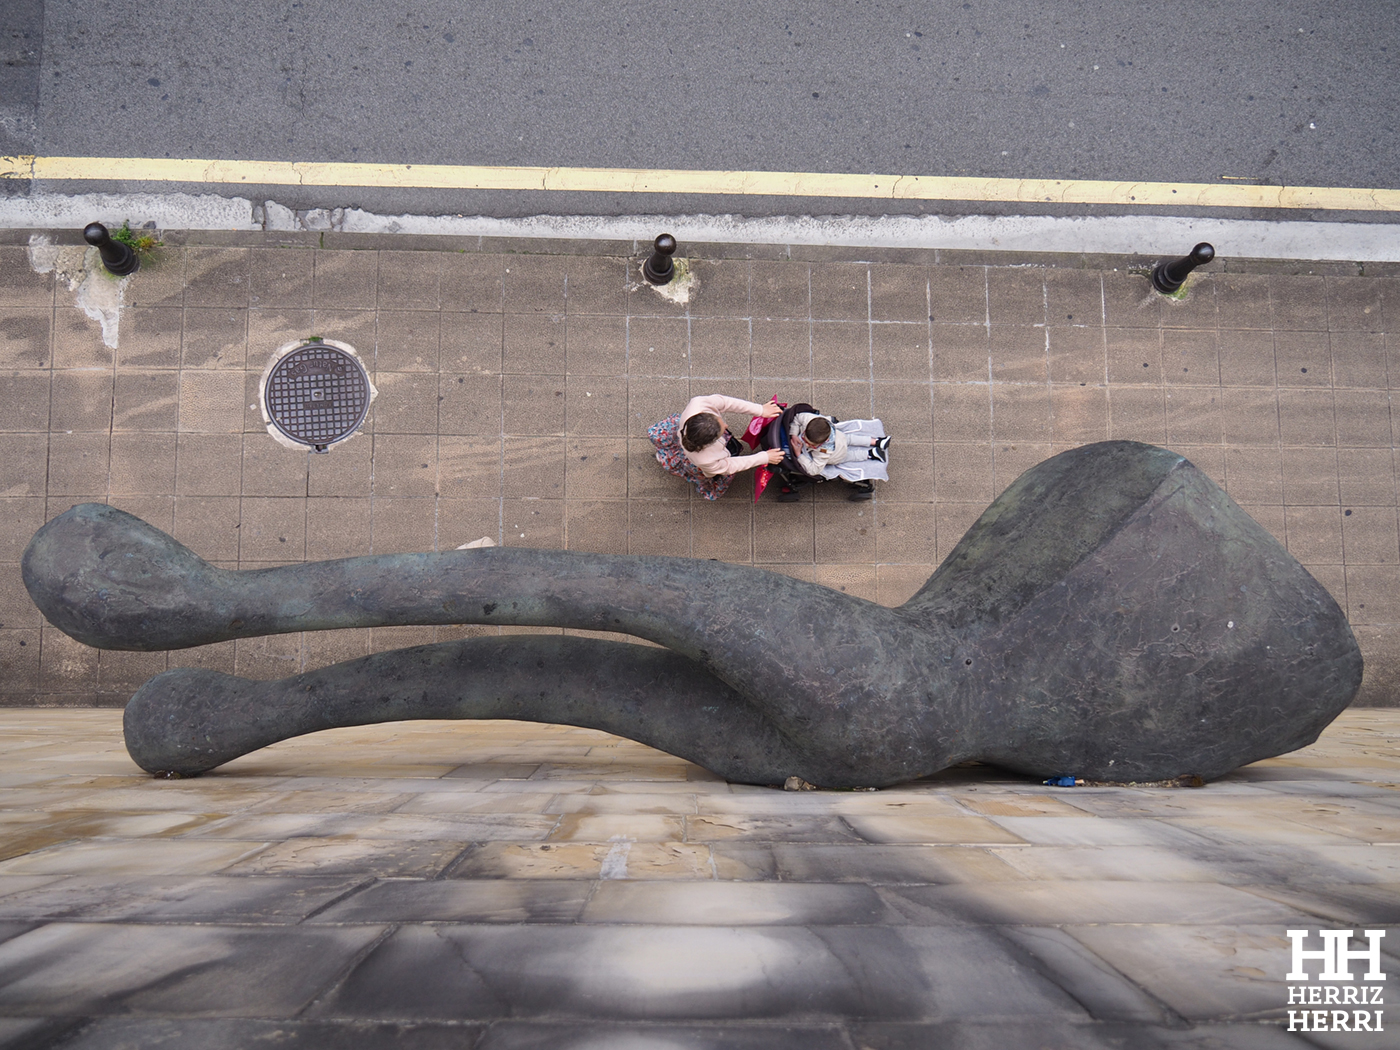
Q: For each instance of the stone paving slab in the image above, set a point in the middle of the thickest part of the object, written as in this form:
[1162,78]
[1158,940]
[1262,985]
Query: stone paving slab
[1374,904]
[1068,902]
[131,857]
[874,863]
[462,901]
[728,904]
[664,972]
[101,898]
[1231,975]
[120,968]
[612,914]
[1052,1036]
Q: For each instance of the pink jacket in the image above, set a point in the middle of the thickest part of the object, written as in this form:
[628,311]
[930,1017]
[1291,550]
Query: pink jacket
[714,459]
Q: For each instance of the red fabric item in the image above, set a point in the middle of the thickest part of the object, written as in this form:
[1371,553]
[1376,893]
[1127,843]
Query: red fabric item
[753,436]
[761,477]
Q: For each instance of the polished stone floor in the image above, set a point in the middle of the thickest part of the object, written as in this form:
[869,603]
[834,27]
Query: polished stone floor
[501,885]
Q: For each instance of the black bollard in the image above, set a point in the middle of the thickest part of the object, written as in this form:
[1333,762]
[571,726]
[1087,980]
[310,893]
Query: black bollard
[118,258]
[1168,277]
[658,268]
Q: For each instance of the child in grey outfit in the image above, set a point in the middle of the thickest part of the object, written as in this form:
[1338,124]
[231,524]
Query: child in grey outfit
[822,447]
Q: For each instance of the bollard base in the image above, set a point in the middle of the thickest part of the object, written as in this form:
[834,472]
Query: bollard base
[1162,282]
[656,276]
[123,270]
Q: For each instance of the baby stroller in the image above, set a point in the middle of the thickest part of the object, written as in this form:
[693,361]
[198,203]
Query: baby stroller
[860,475]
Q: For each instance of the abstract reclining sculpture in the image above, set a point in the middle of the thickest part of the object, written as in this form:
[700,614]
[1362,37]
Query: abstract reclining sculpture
[1112,615]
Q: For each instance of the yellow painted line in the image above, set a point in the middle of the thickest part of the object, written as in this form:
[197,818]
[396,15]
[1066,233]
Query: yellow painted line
[746,183]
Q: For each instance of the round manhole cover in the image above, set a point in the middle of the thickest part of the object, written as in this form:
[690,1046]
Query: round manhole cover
[317,395]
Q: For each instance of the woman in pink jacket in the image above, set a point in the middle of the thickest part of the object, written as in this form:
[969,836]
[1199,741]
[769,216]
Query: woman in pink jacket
[695,444]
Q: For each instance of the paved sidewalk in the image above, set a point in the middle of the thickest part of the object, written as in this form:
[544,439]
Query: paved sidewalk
[516,382]
[501,885]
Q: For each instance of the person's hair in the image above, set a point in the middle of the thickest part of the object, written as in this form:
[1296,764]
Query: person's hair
[700,431]
[818,430]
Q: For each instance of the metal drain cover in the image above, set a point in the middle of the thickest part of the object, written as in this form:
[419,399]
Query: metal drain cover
[317,395]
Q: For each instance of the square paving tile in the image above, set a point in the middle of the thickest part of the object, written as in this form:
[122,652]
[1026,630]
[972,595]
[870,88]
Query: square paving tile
[75,968]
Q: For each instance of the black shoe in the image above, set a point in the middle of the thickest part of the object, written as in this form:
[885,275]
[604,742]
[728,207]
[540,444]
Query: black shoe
[881,450]
[788,494]
[861,491]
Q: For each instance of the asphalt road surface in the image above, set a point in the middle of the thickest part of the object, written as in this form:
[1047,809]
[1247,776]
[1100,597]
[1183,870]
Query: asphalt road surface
[1284,92]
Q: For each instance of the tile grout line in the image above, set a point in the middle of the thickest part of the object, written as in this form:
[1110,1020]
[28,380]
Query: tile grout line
[43,631]
[991,375]
[501,418]
[628,303]
[1278,422]
[690,388]
[873,504]
[374,432]
[753,505]
[302,650]
[1107,386]
[437,426]
[932,359]
[564,438]
[1336,429]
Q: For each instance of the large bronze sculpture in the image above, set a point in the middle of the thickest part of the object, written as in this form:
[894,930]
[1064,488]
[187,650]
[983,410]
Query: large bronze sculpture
[1113,615]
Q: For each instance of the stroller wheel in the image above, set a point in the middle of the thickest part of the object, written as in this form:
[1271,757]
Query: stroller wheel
[861,491]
